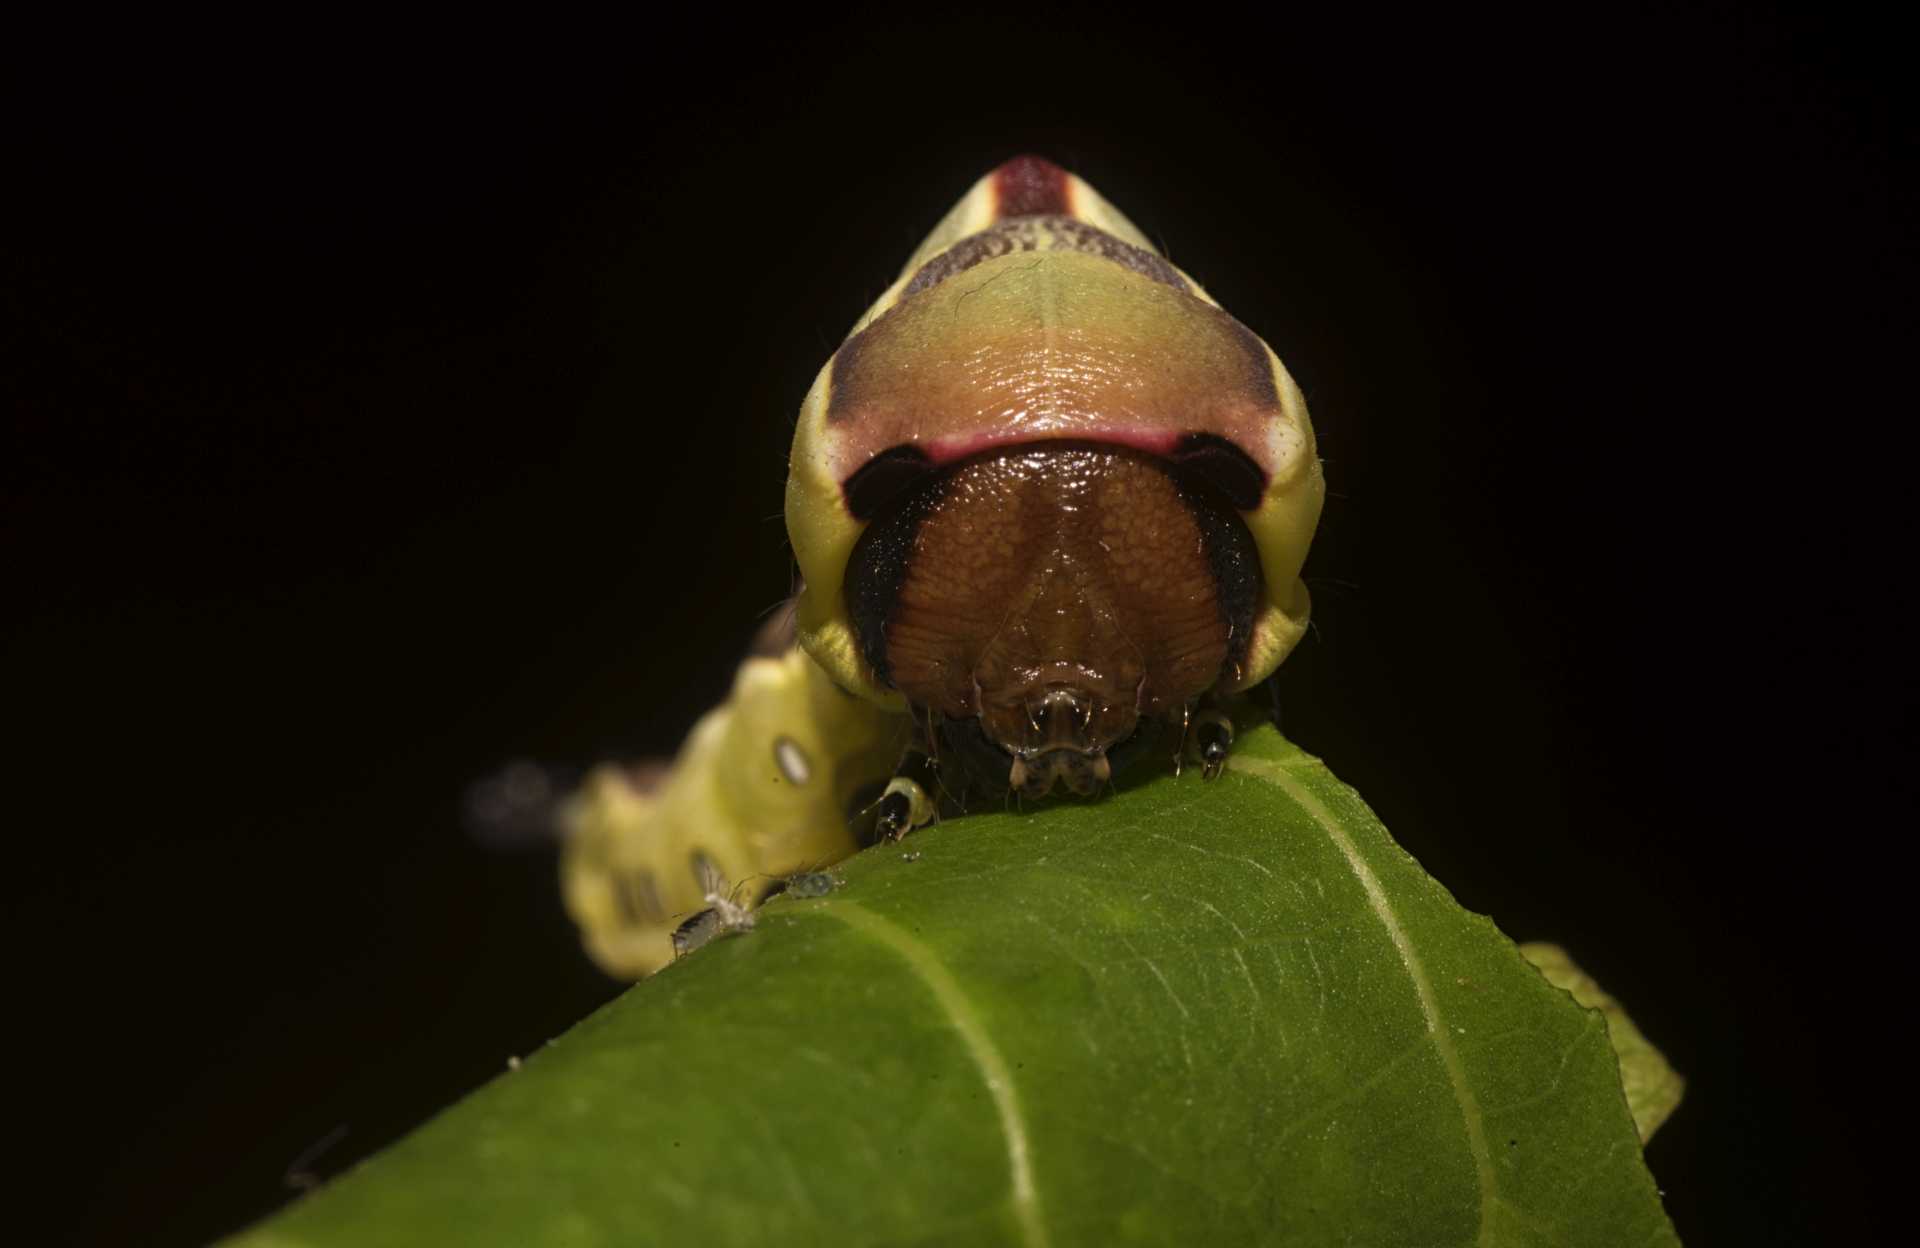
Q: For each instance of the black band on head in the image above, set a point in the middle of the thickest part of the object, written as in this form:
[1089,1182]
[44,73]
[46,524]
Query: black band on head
[877,565]
[883,478]
[1224,466]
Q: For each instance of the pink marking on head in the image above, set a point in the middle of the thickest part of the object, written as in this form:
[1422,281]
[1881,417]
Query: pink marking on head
[941,451]
[1031,186]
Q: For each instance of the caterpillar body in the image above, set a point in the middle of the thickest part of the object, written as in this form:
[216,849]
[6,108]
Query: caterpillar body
[768,784]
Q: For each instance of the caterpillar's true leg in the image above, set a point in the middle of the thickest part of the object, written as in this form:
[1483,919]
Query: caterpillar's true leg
[908,801]
[1210,740]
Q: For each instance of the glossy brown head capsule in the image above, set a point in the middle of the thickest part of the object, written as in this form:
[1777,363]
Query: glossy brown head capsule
[1048,491]
[1058,594]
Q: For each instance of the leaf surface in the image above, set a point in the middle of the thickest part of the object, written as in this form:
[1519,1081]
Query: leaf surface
[1227,1012]
[1653,1087]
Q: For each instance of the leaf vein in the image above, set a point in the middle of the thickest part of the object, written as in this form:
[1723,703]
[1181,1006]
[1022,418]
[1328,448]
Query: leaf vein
[1212,853]
[1149,963]
[980,1046]
[1276,774]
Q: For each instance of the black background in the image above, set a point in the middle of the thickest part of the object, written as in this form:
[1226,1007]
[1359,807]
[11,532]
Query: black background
[382,405]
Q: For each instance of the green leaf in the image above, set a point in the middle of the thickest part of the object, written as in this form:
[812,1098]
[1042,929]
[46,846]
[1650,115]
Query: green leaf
[1227,1012]
[1653,1088]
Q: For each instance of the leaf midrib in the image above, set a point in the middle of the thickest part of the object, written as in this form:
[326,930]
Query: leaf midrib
[980,1047]
[1277,775]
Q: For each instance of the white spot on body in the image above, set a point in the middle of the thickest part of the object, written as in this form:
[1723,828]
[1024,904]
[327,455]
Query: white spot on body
[792,760]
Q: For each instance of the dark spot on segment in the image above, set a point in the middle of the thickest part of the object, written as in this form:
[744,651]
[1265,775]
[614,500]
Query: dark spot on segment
[1047,233]
[1028,186]
[1222,465]
[882,479]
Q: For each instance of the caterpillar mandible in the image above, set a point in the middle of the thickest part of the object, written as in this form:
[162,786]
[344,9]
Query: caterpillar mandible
[1050,505]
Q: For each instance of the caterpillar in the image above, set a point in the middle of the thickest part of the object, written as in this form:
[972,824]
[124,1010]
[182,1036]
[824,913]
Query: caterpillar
[1049,503]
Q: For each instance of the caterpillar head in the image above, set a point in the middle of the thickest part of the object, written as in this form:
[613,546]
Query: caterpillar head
[1048,491]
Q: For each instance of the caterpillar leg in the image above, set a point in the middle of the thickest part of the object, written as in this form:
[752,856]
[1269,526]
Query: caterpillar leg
[908,801]
[1210,740]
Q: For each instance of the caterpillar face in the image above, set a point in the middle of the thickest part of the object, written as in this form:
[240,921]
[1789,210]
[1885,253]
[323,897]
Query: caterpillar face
[1048,598]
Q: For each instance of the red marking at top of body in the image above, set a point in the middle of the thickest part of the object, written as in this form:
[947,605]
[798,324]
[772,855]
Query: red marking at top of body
[1030,186]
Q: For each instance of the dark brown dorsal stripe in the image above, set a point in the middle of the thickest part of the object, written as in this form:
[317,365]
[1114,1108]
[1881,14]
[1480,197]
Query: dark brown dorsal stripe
[1029,186]
[1050,233]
